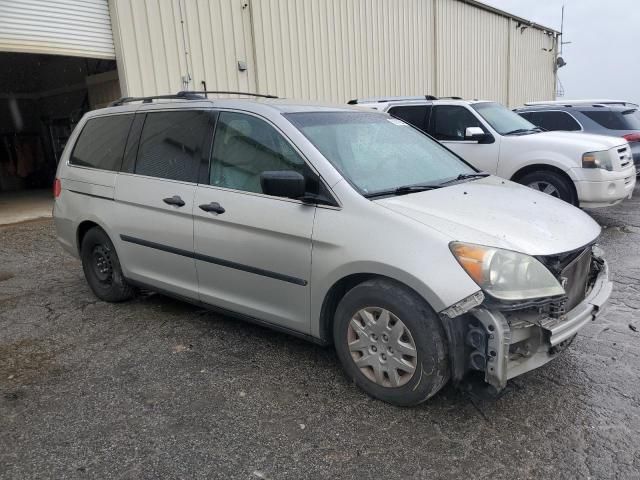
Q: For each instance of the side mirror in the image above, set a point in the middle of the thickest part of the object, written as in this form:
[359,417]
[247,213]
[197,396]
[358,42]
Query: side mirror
[474,133]
[285,183]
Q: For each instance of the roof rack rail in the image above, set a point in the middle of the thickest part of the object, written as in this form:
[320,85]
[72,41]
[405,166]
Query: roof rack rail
[151,98]
[224,92]
[183,95]
[356,101]
[451,98]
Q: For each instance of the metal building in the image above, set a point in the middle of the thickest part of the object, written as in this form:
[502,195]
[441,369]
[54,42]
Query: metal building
[333,50]
[60,58]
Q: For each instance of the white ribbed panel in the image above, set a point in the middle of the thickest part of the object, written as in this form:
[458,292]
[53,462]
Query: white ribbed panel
[80,28]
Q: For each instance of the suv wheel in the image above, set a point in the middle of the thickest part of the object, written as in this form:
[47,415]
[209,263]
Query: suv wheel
[390,343]
[102,267]
[551,183]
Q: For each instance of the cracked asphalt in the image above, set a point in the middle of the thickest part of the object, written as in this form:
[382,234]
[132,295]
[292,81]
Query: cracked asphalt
[156,388]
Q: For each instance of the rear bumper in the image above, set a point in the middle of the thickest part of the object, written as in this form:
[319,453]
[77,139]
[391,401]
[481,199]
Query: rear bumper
[521,342]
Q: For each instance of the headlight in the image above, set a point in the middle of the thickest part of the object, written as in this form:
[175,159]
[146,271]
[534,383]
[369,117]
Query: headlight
[504,274]
[597,160]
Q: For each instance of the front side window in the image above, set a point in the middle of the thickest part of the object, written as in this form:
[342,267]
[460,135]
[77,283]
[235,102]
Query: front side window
[101,143]
[615,119]
[450,122]
[552,121]
[375,152]
[244,146]
[172,143]
[503,120]
[416,115]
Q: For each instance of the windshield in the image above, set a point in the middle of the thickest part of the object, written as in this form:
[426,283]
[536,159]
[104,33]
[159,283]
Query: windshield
[378,153]
[503,120]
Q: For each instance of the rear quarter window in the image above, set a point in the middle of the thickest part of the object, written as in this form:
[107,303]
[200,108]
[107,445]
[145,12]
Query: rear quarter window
[615,120]
[101,143]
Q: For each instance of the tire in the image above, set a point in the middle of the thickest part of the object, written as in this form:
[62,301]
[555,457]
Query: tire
[552,183]
[102,267]
[423,329]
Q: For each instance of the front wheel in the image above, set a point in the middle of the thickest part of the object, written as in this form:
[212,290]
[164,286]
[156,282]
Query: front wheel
[551,183]
[102,267]
[390,343]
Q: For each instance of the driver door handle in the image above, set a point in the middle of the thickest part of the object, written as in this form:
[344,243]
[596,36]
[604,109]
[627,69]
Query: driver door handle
[212,207]
[175,200]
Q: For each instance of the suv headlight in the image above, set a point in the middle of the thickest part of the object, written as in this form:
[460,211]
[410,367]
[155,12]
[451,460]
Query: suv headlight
[504,274]
[597,160]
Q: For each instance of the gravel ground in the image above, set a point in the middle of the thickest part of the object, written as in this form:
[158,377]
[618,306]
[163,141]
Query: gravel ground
[156,388]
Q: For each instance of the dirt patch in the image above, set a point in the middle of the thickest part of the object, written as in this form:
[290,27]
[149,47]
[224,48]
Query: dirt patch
[25,361]
[5,276]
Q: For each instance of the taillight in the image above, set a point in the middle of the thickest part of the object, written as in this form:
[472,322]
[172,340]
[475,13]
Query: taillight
[632,137]
[57,188]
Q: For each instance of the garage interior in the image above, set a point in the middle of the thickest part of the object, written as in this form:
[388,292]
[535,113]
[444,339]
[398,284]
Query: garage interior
[42,97]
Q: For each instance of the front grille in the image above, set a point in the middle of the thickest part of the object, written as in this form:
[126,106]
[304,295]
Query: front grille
[572,271]
[574,279]
[625,156]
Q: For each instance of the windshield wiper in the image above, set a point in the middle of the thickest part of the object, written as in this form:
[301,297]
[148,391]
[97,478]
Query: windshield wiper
[523,130]
[466,176]
[405,189]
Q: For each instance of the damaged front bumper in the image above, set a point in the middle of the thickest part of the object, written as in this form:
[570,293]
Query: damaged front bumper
[505,344]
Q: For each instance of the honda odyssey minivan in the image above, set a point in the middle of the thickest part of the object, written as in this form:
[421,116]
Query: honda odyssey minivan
[334,224]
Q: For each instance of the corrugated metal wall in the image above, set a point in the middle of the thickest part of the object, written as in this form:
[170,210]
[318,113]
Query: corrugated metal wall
[330,50]
[168,45]
[532,58]
[334,50]
[80,28]
[472,52]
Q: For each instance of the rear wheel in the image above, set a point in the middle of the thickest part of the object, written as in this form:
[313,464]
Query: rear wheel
[390,343]
[551,183]
[102,267]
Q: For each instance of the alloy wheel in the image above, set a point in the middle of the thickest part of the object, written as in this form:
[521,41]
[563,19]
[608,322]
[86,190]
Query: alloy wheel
[545,187]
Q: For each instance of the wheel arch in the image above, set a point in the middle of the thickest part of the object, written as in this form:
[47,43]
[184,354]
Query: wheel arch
[83,227]
[338,290]
[543,167]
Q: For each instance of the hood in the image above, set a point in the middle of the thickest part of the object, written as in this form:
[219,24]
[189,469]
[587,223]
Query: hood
[586,142]
[499,213]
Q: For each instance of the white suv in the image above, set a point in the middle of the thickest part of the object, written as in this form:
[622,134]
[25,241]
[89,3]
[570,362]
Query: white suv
[586,170]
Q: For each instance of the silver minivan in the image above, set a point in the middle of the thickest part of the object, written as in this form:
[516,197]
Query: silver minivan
[340,225]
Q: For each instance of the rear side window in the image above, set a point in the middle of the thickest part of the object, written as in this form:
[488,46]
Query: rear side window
[615,119]
[416,115]
[101,143]
[172,143]
[552,120]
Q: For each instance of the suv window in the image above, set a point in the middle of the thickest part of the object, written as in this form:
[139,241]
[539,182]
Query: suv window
[245,146]
[101,143]
[552,120]
[416,115]
[615,119]
[171,144]
[449,122]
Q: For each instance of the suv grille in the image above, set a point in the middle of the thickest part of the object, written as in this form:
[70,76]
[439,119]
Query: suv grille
[625,157]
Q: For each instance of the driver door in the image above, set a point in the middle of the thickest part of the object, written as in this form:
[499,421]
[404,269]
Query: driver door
[448,124]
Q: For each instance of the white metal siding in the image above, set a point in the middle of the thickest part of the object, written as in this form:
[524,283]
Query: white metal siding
[472,52]
[80,28]
[160,42]
[330,50]
[532,61]
[334,50]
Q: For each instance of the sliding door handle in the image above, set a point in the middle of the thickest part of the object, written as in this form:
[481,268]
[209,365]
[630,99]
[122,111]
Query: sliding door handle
[175,200]
[212,207]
